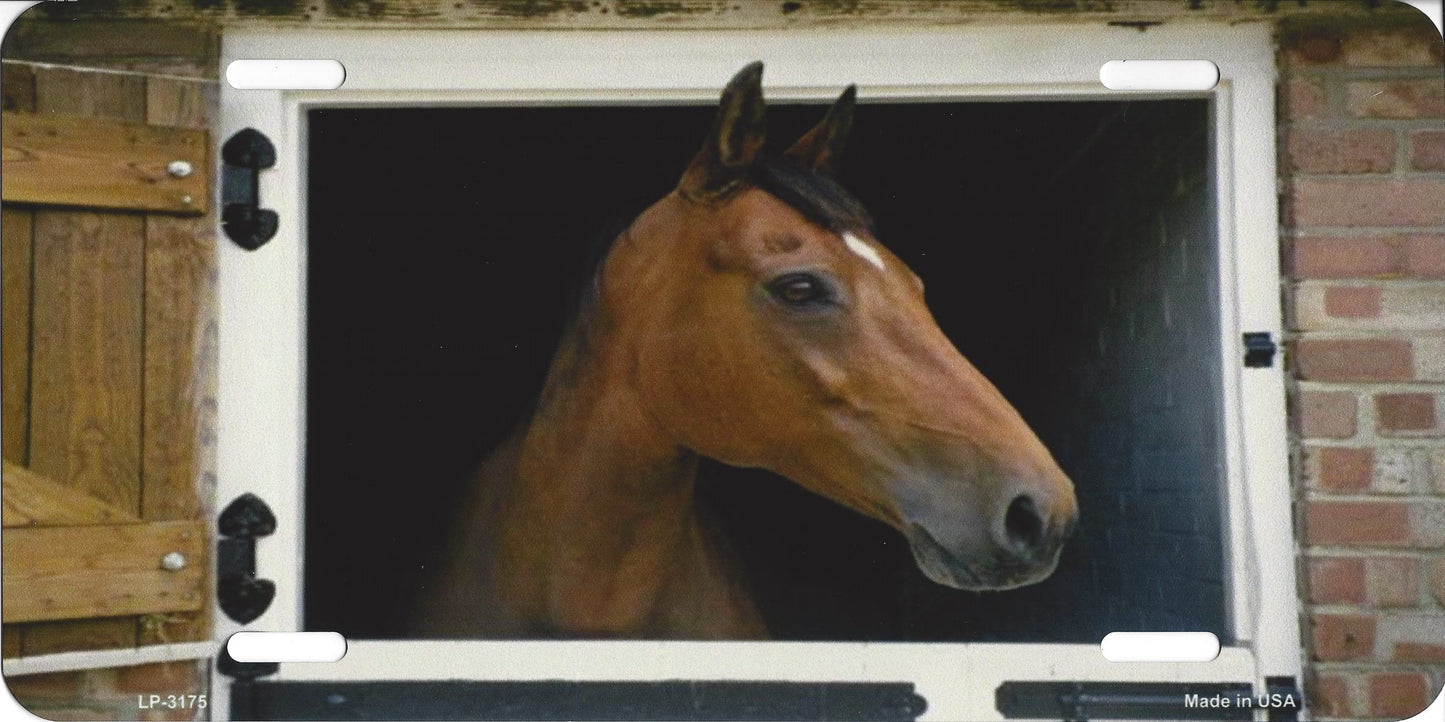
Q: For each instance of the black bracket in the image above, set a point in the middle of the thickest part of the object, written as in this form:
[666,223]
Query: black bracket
[242,596]
[1285,698]
[1079,701]
[243,157]
[1259,350]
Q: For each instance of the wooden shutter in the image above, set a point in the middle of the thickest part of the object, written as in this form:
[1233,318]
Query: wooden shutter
[108,344]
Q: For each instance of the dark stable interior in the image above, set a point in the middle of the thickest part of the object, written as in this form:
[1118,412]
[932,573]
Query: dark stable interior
[446,246]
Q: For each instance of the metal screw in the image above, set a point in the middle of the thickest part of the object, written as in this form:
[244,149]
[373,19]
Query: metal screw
[186,200]
[173,562]
[179,169]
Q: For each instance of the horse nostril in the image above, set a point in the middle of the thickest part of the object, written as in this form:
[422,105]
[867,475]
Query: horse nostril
[1024,525]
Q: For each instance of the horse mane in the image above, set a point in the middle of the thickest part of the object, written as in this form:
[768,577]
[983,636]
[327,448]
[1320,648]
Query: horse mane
[819,198]
[816,196]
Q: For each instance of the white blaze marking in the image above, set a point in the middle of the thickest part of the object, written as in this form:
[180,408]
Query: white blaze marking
[861,247]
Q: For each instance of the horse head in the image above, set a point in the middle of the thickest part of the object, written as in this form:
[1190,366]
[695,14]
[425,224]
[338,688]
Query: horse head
[769,328]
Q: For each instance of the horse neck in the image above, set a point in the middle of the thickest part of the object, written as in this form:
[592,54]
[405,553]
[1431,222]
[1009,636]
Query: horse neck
[602,496]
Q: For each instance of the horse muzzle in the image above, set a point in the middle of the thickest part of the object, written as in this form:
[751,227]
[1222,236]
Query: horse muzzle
[1024,550]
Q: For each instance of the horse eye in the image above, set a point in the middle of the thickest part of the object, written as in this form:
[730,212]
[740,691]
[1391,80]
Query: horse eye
[799,289]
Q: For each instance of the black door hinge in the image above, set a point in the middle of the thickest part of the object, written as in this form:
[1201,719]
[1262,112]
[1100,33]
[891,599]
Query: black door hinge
[241,595]
[243,157]
[1259,350]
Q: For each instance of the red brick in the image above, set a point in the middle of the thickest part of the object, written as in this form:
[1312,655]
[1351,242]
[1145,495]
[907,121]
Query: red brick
[1417,652]
[1405,412]
[162,678]
[1356,523]
[1396,98]
[75,713]
[1327,414]
[1427,150]
[1353,360]
[175,715]
[1437,580]
[1337,580]
[1344,469]
[1393,581]
[1353,202]
[1340,151]
[1302,99]
[1353,301]
[1397,695]
[1347,257]
[1425,256]
[1313,46]
[1330,697]
[1343,637]
[1398,49]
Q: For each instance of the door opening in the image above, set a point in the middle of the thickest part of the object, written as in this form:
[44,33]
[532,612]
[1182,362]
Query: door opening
[1068,248]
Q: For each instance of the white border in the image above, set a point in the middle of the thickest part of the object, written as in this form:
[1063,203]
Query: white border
[262,293]
[106,658]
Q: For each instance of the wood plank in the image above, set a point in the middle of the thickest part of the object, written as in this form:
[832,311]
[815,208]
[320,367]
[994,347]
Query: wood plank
[122,97]
[90,94]
[15,248]
[180,356]
[181,102]
[10,641]
[85,403]
[17,87]
[101,163]
[179,353]
[81,572]
[33,500]
[73,635]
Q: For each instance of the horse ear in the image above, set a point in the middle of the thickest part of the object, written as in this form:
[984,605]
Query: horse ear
[737,135]
[822,147]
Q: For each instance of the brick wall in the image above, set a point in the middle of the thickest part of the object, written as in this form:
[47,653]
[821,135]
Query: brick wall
[114,694]
[1139,423]
[1362,159]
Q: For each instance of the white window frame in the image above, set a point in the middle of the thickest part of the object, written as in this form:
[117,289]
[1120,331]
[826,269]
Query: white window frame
[262,320]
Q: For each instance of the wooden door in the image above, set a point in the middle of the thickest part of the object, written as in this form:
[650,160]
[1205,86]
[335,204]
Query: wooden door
[108,354]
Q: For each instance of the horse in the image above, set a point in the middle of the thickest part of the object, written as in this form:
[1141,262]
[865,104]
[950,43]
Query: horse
[749,316]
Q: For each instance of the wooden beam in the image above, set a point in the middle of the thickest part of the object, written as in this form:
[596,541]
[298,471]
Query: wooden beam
[86,353]
[15,235]
[30,499]
[102,163]
[95,571]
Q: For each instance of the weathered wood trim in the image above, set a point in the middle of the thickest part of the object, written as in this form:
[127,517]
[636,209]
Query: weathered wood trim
[202,15]
[30,499]
[95,571]
[102,163]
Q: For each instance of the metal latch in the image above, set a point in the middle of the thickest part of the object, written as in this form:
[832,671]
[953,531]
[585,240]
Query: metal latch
[1259,350]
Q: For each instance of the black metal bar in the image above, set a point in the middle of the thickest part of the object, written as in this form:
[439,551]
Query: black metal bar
[243,690]
[680,700]
[1076,701]
[1285,698]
